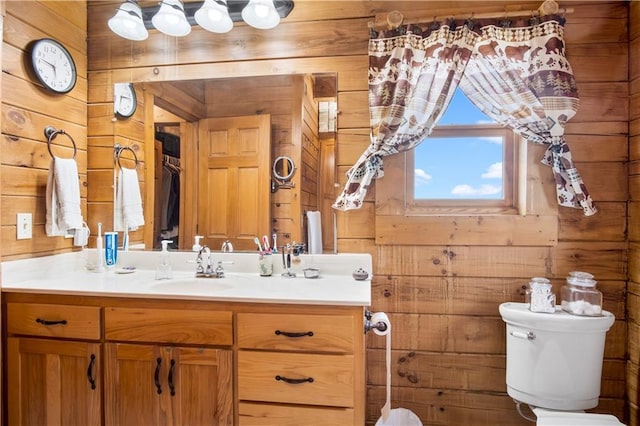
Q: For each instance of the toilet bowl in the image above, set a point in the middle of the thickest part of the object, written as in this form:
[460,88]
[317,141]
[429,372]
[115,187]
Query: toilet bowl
[554,363]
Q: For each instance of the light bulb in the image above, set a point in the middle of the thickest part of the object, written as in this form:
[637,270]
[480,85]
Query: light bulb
[214,17]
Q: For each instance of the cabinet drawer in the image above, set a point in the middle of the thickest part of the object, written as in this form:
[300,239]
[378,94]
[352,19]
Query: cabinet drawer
[169,326]
[287,415]
[316,333]
[64,321]
[321,379]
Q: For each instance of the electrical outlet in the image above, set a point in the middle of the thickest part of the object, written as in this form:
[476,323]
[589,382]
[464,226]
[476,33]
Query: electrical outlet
[24,226]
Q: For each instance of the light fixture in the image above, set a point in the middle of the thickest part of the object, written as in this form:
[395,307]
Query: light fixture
[261,14]
[212,15]
[171,19]
[127,22]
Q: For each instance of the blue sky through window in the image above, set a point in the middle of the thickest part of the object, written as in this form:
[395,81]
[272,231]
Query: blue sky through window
[461,167]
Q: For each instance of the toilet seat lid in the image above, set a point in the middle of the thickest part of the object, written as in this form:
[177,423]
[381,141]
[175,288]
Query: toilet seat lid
[569,418]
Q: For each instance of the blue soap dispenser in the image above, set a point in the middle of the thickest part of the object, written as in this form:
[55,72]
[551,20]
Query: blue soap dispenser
[164,272]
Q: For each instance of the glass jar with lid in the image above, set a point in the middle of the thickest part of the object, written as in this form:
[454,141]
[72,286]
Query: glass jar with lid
[580,296]
[539,296]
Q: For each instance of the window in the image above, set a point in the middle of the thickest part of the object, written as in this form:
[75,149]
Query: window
[467,165]
[522,212]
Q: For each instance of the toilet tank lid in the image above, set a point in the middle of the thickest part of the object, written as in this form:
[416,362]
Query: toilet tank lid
[518,314]
[567,418]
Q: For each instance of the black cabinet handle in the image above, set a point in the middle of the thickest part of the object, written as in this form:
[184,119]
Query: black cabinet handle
[47,322]
[172,387]
[290,334]
[294,381]
[90,375]
[156,375]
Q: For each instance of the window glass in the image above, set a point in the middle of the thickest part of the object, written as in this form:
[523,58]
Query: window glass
[468,157]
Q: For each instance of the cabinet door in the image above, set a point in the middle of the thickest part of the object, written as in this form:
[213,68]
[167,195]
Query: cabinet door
[147,384]
[202,385]
[53,383]
[133,384]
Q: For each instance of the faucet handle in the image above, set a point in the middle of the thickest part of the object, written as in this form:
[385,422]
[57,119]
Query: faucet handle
[220,270]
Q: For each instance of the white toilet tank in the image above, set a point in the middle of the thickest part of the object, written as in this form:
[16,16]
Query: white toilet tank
[554,360]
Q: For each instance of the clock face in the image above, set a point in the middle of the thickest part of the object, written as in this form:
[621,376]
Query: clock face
[53,65]
[124,99]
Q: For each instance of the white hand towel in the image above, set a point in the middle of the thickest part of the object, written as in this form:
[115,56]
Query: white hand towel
[314,232]
[63,197]
[128,201]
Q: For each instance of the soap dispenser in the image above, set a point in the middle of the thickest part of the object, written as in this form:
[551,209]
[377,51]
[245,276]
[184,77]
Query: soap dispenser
[196,243]
[164,272]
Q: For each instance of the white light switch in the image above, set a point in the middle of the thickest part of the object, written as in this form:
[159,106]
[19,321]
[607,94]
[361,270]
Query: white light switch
[24,226]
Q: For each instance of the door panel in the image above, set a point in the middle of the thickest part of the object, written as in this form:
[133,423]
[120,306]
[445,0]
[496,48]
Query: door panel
[131,397]
[49,384]
[234,176]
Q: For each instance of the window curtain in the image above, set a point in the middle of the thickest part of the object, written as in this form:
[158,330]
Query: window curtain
[412,78]
[519,76]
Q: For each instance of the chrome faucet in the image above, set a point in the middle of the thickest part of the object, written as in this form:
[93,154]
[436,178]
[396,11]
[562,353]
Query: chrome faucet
[227,247]
[205,265]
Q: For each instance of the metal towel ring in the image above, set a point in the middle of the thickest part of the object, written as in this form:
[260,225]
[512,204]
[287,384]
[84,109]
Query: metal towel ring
[50,132]
[119,150]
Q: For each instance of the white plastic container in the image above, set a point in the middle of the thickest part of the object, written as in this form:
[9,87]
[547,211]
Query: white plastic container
[579,295]
[554,361]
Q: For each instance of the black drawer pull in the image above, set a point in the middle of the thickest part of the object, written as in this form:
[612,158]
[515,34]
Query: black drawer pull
[156,376]
[172,387]
[294,381]
[289,334]
[47,322]
[90,376]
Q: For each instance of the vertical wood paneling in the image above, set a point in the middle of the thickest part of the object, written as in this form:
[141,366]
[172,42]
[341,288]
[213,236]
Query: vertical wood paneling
[633,348]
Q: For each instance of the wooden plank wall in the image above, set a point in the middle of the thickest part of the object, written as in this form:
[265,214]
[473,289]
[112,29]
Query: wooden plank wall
[633,289]
[27,109]
[448,340]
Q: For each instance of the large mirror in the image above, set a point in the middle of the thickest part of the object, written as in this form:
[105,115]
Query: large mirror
[215,142]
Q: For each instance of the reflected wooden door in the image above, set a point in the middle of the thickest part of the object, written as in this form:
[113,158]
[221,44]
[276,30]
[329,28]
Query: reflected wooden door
[234,175]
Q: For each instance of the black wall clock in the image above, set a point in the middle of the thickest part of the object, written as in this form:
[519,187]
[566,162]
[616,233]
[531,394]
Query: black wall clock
[124,100]
[53,65]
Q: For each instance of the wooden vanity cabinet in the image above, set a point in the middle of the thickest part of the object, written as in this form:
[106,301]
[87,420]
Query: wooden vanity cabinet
[173,383]
[180,362]
[53,381]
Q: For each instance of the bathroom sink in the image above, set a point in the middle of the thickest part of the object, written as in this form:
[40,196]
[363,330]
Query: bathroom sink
[191,285]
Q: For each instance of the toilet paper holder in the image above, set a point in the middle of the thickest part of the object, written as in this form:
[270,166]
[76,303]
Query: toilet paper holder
[369,325]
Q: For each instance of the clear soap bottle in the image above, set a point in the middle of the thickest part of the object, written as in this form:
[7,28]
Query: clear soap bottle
[164,271]
[580,296]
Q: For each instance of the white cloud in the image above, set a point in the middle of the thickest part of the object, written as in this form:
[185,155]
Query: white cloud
[421,177]
[493,172]
[492,139]
[470,190]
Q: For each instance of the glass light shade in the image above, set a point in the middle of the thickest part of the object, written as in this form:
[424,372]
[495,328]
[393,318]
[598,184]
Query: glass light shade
[214,17]
[171,20]
[261,14]
[127,22]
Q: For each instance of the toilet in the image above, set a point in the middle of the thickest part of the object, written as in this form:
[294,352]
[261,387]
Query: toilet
[554,364]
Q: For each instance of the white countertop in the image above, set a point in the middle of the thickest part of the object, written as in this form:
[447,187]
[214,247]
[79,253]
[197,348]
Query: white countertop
[66,274]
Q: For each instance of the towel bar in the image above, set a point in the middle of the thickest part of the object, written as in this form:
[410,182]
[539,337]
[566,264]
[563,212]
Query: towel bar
[50,132]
